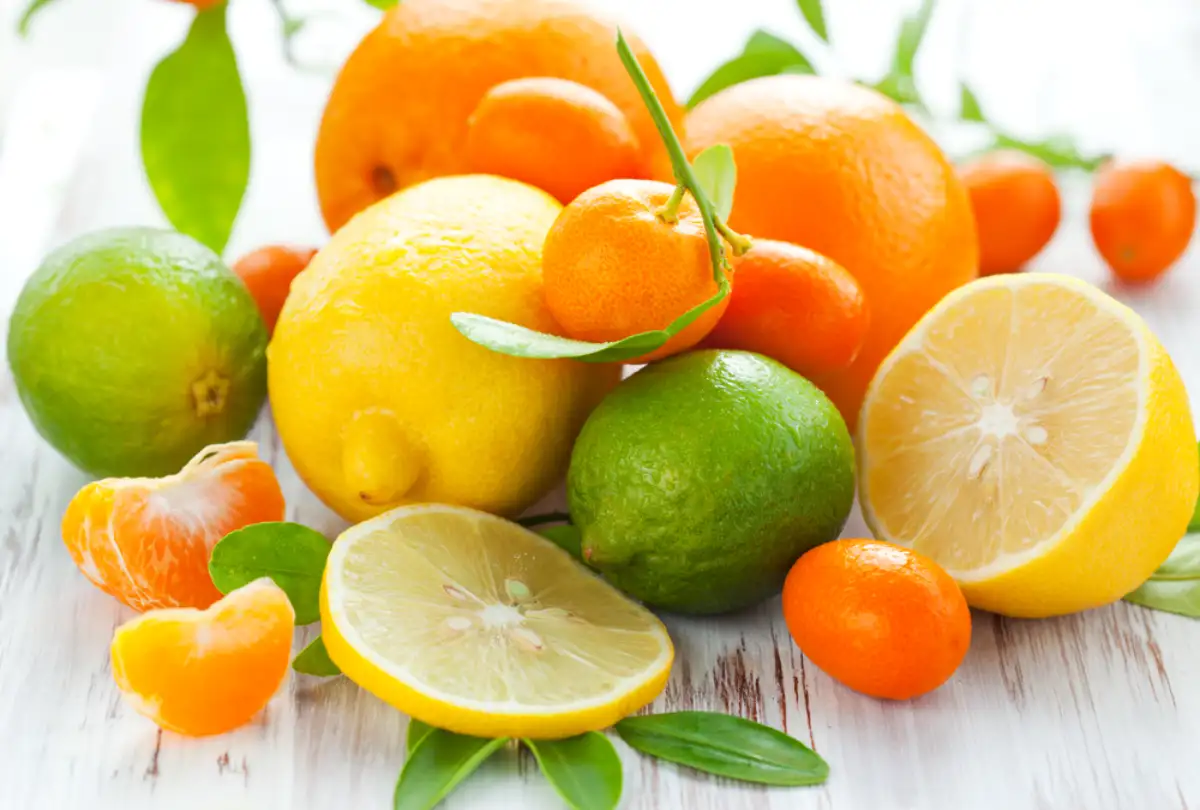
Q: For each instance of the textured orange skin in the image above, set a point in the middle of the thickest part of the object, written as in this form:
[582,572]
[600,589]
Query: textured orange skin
[554,134]
[1017,208]
[1142,217]
[268,273]
[842,170]
[207,672]
[799,307]
[115,533]
[879,618]
[398,111]
[611,268]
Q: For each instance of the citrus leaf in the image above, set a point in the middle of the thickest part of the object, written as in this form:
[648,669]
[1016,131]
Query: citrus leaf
[195,132]
[417,731]
[717,174]
[1175,586]
[290,554]
[1057,153]
[969,109]
[27,16]
[725,745]
[382,5]
[912,34]
[314,660]
[436,765]
[764,54]
[814,15]
[584,770]
[566,537]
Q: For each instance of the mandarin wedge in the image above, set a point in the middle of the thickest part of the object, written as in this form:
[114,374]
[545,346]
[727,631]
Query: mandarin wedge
[1032,436]
[201,672]
[146,541]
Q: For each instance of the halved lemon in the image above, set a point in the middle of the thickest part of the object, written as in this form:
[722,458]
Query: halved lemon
[1032,436]
[474,624]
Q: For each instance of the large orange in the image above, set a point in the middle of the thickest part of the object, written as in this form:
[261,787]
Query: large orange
[842,170]
[399,110]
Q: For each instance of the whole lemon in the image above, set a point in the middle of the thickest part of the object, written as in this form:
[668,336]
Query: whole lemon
[380,402]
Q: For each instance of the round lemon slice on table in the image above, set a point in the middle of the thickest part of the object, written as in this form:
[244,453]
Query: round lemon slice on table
[474,624]
[1032,436]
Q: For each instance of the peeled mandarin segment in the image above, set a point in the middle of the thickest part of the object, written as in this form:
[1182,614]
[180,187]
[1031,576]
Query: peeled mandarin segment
[146,541]
[1006,433]
[471,623]
[201,672]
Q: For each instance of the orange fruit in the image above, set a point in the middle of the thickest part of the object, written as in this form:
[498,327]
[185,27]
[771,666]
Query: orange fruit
[400,108]
[844,171]
[799,307]
[1142,217]
[551,133]
[880,618]
[1016,205]
[612,268]
[201,672]
[146,541]
[268,273]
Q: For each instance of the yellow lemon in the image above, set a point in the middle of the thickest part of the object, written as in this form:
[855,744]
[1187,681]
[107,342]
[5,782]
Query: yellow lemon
[379,401]
[1032,436]
[474,624]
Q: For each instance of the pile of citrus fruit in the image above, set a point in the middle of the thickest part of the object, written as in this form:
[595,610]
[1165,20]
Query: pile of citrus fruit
[810,325]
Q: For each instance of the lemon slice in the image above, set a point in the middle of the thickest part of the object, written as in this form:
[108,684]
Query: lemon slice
[1031,435]
[474,624]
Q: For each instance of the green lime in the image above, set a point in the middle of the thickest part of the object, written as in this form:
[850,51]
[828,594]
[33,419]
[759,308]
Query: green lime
[701,479]
[134,348]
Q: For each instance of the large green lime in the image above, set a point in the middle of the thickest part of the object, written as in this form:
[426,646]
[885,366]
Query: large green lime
[134,348]
[701,479]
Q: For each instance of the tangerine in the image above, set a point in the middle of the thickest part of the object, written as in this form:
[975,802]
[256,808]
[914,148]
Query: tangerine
[268,273]
[1017,208]
[1142,217]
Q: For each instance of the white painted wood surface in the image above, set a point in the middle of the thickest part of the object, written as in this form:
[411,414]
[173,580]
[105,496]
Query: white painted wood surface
[1097,711]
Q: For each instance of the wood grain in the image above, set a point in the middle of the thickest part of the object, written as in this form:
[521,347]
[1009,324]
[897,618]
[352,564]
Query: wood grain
[1097,711]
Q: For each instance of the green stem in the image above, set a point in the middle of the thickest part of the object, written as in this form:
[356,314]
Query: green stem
[684,176]
[670,210]
[740,242]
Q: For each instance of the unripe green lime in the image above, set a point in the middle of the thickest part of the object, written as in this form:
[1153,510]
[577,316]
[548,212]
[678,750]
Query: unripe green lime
[701,479]
[134,348]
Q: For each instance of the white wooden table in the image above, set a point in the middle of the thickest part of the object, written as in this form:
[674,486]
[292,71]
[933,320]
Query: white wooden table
[1097,711]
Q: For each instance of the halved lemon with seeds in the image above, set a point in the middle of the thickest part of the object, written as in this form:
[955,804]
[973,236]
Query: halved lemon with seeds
[474,624]
[1032,436]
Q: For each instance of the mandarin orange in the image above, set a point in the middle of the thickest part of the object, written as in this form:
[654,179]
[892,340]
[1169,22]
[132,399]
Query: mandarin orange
[268,273]
[880,618]
[799,307]
[146,541]
[1016,205]
[613,267]
[1142,217]
[201,672]
[399,109]
[844,171]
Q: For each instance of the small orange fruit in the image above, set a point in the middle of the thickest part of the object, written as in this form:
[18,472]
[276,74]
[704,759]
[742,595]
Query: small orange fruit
[880,618]
[1143,214]
[799,307]
[268,273]
[201,672]
[1016,205]
[146,541]
[554,134]
[611,267]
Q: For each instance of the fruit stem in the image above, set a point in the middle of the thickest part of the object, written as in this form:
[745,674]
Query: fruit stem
[684,177]
[740,242]
[669,213]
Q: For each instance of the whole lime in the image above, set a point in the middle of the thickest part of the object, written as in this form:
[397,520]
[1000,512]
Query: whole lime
[701,479]
[134,348]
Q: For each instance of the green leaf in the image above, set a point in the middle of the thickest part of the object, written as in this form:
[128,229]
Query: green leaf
[314,660]
[196,133]
[585,770]
[764,54]
[814,15]
[290,554]
[417,731]
[436,765]
[1056,152]
[1175,586]
[27,16]
[912,34]
[566,537]
[717,174]
[725,745]
[969,109]
[382,5]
